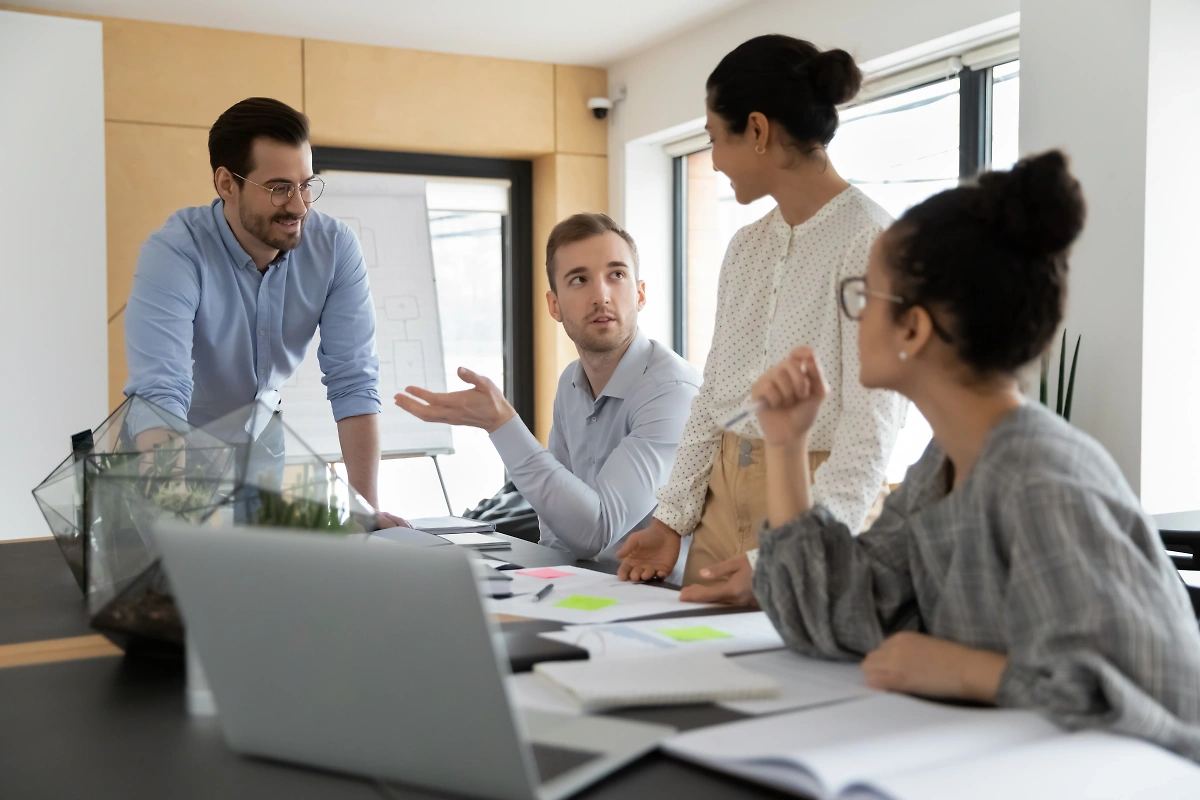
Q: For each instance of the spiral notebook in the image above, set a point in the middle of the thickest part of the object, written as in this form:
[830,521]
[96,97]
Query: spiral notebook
[675,679]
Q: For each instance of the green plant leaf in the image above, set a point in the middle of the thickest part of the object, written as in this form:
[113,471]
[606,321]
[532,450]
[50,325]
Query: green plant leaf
[1071,382]
[1062,378]
[1044,386]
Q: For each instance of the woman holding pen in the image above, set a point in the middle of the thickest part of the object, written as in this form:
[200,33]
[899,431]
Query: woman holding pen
[1014,566]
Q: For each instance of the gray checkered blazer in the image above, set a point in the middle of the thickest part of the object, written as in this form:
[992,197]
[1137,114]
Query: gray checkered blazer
[1043,553]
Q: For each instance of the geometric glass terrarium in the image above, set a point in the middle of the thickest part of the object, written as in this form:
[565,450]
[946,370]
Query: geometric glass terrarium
[143,465]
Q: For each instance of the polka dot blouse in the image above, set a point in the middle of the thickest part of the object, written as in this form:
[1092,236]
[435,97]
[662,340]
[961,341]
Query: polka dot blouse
[778,291]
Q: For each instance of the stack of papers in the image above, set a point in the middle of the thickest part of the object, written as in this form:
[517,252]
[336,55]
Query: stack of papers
[442,525]
[673,679]
[584,597]
[476,541]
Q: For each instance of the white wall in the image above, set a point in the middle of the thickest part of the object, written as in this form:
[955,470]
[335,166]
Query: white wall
[52,240]
[1095,109]
[1170,459]
[664,87]
[1129,126]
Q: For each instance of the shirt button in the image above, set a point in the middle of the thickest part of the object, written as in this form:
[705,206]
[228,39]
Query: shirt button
[591,419]
[262,333]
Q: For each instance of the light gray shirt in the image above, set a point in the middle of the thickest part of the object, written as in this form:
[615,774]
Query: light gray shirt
[607,454]
[1043,553]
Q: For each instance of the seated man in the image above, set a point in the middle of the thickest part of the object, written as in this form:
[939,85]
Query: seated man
[619,411]
[228,296]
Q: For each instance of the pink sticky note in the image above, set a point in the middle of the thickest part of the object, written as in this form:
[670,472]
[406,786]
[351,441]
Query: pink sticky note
[545,572]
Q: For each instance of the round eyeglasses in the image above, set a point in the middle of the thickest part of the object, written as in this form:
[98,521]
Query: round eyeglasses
[854,292]
[281,193]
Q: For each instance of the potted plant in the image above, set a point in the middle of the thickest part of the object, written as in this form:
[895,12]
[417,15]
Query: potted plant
[1064,394]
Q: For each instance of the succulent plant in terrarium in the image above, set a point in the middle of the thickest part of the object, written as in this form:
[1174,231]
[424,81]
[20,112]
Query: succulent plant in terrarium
[247,468]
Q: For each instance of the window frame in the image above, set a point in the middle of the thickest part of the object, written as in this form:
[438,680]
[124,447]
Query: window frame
[974,156]
[516,241]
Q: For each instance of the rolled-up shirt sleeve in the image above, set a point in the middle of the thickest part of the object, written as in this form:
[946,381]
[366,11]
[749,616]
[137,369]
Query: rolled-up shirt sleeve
[158,330]
[583,519]
[347,354]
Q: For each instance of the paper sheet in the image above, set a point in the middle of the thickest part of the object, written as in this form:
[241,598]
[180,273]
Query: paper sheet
[726,633]
[819,750]
[805,682]
[1088,764]
[529,693]
[604,598]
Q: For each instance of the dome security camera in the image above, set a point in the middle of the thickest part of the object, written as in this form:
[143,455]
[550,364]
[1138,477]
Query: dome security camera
[599,106]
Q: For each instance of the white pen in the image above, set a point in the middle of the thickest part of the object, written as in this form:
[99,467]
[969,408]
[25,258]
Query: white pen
[753,408]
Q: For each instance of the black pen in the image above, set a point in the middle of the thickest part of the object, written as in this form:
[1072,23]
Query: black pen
[545,590]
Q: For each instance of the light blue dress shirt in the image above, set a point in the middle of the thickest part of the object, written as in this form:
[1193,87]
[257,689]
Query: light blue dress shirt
[206,333]
[607,455]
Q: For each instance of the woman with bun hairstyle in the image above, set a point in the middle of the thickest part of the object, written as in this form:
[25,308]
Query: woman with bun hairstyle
[1014,565]
[771,111]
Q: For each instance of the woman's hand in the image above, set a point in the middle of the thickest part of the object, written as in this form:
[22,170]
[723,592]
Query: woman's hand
[790,395]
[915,663]
[732,583]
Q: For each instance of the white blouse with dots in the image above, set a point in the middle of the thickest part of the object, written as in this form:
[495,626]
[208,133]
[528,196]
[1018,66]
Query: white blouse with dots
[778,291]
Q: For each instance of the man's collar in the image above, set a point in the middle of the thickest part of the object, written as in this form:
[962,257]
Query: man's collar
[631,367]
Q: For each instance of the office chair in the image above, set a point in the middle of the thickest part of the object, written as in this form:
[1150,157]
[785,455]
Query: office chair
[1180,534]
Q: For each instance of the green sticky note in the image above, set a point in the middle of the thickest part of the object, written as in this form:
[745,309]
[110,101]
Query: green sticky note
[581,602]
[699,633]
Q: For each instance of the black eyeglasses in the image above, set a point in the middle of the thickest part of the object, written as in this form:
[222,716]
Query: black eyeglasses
[853,294]
[281,194]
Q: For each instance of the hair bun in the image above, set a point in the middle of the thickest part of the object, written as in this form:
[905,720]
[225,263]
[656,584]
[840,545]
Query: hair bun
[1037,206]
[835,77]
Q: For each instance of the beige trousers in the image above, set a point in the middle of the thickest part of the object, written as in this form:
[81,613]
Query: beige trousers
[736,504]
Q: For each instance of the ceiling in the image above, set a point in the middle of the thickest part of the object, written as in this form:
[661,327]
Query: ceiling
[593,32]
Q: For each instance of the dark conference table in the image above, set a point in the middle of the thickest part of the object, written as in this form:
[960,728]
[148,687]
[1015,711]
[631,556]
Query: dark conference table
[102,726]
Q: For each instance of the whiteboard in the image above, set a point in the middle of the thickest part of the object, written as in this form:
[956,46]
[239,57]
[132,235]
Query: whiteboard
[388,215]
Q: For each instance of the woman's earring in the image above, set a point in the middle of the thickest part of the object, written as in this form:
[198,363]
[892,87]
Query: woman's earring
[903,356]
[760,150]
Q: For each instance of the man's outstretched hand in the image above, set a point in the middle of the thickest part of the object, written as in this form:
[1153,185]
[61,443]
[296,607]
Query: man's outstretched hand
[482,406]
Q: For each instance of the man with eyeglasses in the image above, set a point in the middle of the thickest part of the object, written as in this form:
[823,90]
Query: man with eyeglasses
[227,297]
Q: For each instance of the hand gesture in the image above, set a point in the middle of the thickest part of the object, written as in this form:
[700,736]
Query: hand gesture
[732,581]
[482,406]
[789,396]
[649,553]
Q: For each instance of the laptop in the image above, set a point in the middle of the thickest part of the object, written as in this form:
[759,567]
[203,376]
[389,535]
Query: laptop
[375,661]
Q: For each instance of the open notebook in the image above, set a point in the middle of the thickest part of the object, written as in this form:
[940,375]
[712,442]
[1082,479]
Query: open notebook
[891,747]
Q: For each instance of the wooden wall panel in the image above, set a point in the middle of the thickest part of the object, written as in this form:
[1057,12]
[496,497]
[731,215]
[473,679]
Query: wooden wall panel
[563,185]
[577,131]
[118,367]
[582,184]
[545,329]
[181,75]
[152,172]
[380,97]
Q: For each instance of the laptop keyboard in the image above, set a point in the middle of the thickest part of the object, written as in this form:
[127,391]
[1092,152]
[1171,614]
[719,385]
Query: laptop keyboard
[554,761]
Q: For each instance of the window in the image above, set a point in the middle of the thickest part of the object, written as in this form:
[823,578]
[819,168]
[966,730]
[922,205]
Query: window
[899,149]
[1006,83]
[480,225]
